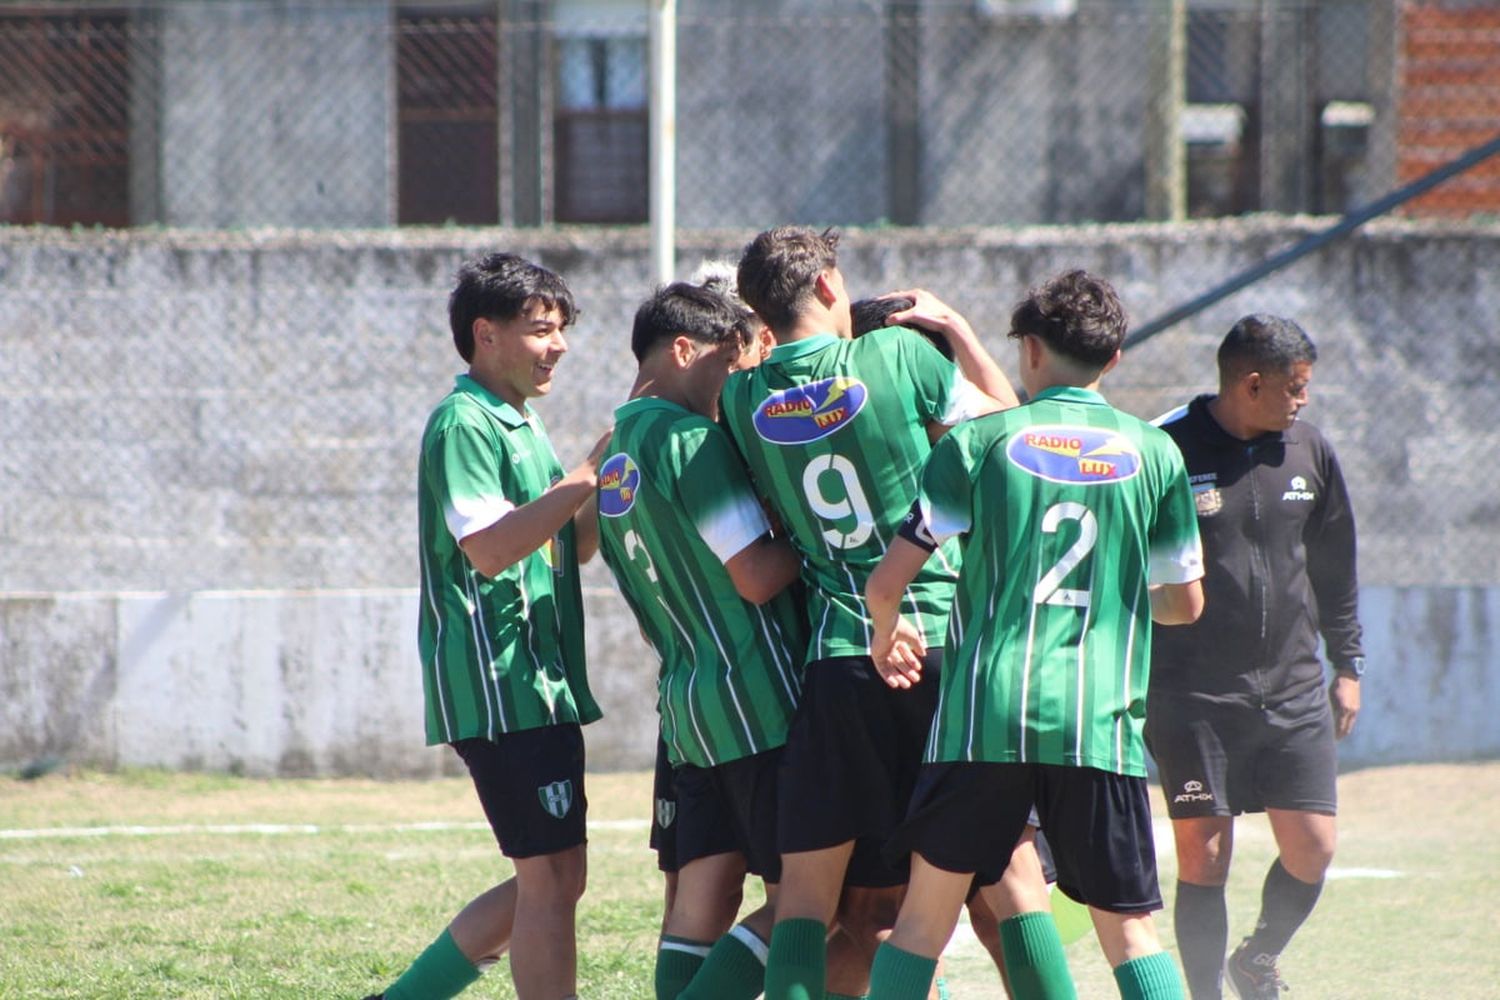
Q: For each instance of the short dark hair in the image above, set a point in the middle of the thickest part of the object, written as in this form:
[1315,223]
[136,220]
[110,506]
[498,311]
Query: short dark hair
[498,286]
[1264,343]
[701,313]
[778,268]
[875,314]
[1076,314]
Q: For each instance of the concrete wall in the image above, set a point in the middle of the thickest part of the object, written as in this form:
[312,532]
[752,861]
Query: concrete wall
[229,422]
[273,114]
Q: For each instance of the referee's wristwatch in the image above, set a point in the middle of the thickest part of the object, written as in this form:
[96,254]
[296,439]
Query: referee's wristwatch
[1352,667]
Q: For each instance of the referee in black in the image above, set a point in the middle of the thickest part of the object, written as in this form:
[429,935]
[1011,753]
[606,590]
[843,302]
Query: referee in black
[1238,720]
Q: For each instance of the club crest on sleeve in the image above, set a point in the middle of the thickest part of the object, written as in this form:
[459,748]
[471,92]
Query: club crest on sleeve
[806,413]
[557,798]
[619,479]
[1084,456]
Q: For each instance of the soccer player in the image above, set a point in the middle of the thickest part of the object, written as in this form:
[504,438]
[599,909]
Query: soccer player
[1239,720]
[1078,531]
[834,431]
[684,533]
[503,528]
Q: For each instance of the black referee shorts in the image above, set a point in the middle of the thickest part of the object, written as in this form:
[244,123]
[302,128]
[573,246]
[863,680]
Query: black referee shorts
[851,762]
[1224,760]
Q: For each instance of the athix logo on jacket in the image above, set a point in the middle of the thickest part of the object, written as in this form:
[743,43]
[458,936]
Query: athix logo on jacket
[1083,455]
[618,480]
[1299,490]
[807,413]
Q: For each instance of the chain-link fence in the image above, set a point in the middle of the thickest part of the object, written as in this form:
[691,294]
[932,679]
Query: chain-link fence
[222,388]
[522,112]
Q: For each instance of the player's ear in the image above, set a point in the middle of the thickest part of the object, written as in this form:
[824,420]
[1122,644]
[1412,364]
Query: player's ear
[824,289]
[683,350]
[483,331]
[1253,383]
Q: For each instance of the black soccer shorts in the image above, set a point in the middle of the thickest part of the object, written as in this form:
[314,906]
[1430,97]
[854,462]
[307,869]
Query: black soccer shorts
[1224,760]
[731,807]
[664,811]
[967,817]
[530,784]
[851,762]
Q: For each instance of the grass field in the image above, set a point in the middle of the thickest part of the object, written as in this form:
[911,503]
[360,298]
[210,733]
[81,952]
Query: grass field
[162,885]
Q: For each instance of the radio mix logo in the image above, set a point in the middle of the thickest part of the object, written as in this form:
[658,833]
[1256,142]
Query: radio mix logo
[806,413]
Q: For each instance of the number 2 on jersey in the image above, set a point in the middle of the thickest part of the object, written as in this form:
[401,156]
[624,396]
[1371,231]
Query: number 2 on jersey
[852,504]
[1049,589]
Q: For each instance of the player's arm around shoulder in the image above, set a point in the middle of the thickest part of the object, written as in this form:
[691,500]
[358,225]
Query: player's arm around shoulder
[524,529]
[976,364]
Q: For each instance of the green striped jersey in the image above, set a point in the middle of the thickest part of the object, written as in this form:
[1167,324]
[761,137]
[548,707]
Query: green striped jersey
[1069,509]
[507,653]
[675,504]
[835,433]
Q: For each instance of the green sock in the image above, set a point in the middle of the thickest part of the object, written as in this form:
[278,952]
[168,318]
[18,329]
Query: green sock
[1034,958]
[440,972]
[677,962]
[734,970]
[1153,977]
[797,960]
[900,975]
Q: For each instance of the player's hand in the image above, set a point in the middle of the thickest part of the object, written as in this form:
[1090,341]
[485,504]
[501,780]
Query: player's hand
[927,311]
[596,453]
[1343,695]
[898,654]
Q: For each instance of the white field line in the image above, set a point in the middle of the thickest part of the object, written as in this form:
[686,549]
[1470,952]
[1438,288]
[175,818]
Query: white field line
[274,829]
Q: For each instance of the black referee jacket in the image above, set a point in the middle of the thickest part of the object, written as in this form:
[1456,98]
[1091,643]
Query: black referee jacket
[1279,566]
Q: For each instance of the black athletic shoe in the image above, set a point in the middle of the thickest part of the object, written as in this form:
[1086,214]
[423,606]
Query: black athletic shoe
[1254,977]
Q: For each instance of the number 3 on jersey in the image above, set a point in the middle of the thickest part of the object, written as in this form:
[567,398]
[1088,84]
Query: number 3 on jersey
[1049,589]
[850,503]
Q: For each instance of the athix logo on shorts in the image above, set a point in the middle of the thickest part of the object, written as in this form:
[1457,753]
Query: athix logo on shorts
[1061,453]
[618,481]
[807,413]
[1299,490]
[1192,791]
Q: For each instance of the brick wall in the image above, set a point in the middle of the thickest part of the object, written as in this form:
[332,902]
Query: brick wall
[1450,102]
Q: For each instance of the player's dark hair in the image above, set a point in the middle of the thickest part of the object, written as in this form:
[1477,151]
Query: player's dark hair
[875,314]
[702,313]
[1263,343]
[498,286]
[1076,314]
[779,267]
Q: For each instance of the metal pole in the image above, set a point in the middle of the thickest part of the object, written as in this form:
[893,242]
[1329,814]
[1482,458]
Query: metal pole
[1350,222]
[663,193]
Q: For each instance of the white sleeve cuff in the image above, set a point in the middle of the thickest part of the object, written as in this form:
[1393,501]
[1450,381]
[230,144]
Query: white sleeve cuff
[474,514]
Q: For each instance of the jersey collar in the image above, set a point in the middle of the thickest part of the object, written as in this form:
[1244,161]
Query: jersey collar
[802,348]
[642,403]
[503,411]
[1070,394]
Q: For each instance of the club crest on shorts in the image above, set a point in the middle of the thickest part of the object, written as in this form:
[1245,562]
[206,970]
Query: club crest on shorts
[1085,456]
[806,413]
[557,798]
[619,479]
[666,812]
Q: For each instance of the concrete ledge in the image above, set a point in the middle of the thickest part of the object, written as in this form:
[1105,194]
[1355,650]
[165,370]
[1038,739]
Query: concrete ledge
[298,683]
